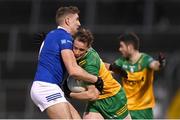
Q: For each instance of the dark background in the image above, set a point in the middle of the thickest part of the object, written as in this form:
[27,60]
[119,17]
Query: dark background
[156,21]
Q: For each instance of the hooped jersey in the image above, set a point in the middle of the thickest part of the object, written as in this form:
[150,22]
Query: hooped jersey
[92,63]
[139,85]
[51,68]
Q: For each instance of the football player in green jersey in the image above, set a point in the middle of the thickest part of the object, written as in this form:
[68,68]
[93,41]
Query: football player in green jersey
[112,102]
[140,68]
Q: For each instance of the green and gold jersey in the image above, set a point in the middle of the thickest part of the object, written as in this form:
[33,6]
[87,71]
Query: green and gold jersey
[139,85]
[92,63]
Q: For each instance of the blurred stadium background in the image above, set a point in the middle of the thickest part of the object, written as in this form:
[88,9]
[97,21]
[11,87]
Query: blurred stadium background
[156,21]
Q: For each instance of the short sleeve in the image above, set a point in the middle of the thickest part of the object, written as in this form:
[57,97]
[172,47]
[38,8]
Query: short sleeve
[119,62]
[66,43]
[147,60]
[93,65]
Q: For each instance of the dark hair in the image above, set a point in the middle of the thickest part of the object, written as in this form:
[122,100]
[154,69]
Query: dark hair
[130,38]
[64,11]
[85,36]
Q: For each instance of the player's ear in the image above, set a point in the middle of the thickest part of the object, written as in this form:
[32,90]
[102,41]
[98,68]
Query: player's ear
[67,20]
[130,46]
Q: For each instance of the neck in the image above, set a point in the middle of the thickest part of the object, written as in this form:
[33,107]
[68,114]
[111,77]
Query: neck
[64,28]
[135,55]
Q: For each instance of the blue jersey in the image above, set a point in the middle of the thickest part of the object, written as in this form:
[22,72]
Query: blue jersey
[50,64]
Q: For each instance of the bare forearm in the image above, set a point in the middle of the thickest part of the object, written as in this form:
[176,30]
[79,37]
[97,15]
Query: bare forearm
[81,74]
[75,70]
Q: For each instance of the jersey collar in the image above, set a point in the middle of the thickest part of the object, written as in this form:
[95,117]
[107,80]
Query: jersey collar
[60,27]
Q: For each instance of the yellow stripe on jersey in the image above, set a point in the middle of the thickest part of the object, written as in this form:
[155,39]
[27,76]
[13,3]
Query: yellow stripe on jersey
[111,86]
[81,63]
[122,110]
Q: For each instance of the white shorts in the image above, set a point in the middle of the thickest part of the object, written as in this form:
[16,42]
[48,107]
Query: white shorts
[46,94]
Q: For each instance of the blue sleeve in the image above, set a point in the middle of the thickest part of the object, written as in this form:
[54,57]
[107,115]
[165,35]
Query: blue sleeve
[66,43]
[59,40]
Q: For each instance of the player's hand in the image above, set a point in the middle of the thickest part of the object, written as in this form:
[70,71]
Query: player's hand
[99,84]
[118,70]
[66,89]
[162,60]
[39,37]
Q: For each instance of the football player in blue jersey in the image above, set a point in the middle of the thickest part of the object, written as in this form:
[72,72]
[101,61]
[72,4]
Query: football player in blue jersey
[55,58]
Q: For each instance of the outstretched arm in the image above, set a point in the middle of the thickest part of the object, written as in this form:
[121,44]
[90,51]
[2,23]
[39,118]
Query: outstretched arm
[159,63]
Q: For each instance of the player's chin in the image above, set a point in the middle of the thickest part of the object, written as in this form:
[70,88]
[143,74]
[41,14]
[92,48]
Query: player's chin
[77,57]
[124,55]
[74,31]
[77,28]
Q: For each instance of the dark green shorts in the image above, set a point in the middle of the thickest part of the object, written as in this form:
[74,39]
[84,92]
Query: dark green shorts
[114,107]
[142,114]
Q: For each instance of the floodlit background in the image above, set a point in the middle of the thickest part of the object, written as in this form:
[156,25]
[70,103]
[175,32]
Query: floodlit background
[156,21]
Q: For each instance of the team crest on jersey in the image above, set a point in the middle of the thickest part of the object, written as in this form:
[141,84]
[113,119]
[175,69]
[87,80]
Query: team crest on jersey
[64,41]
[131,68]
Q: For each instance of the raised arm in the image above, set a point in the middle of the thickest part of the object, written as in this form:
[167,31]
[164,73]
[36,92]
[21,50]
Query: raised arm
[159,63]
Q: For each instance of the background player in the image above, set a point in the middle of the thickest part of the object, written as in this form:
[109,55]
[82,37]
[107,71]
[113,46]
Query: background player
[140,68]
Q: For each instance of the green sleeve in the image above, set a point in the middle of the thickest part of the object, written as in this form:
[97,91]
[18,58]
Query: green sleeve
[92,65]
[119,62]
[146,61]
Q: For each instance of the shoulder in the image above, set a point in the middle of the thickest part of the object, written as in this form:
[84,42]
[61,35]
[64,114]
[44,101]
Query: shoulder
[91,62]
[120,61]
[60,33]
[145,54]
[146,57]
[92,54]
[146,60]
[92,57]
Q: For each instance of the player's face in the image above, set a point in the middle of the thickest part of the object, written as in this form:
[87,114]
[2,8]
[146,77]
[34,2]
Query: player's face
[79,48]
[124,49]
[74,23]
